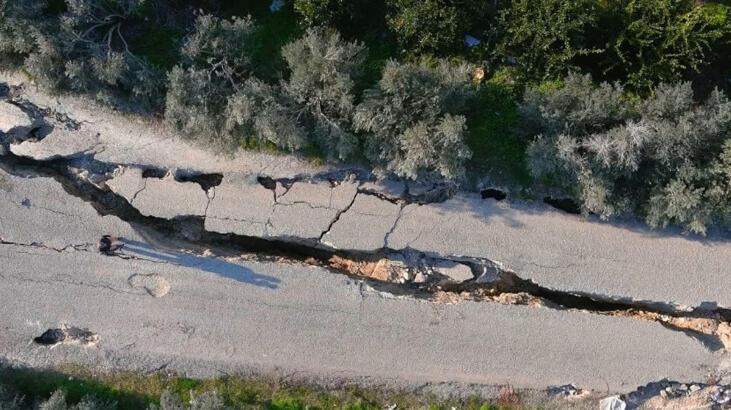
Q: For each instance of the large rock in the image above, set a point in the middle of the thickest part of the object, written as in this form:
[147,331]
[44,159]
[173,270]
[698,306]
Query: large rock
[455,271]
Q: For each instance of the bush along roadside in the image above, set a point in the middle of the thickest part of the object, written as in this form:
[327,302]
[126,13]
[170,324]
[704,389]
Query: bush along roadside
[440,105]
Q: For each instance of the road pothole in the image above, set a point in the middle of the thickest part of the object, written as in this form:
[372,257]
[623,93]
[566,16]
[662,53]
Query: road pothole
[67,335]
[154,284]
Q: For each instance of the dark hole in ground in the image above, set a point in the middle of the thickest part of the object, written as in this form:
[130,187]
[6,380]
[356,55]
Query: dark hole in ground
[154,173]
[51,337]
[493,193]
[267,182]
[565,204]
[206,181]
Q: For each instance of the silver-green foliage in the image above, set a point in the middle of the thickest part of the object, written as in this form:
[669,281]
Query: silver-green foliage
[262,112]
[412,121]
[323,68]
[16,32]
[216,62]
[57,401]
[315,105]
[667,157]
[87,49]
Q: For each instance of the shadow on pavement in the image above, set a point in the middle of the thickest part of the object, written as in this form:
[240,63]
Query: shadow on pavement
[214,265]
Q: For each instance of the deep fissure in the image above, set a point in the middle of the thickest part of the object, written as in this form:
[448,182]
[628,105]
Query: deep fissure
[109,203]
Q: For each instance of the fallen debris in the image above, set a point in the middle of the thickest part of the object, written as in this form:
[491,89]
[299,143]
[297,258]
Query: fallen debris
[67,335]
[455,271]
[385,270]
[567,391]
[612,403]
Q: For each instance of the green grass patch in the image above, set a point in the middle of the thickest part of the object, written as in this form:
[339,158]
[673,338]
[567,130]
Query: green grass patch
[134,391]
[497,151]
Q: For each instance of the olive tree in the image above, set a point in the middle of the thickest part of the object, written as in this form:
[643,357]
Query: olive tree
[314,105]
[322,71]
[215,63]
[412,119]
[18,21]
[87,49]
[665,157]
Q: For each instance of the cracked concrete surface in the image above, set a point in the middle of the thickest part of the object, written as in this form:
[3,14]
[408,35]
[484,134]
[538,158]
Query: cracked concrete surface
[281,321]
[276,313]
[364,226]
[31,208]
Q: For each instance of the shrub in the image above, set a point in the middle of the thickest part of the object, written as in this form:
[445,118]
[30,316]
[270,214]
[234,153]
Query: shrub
[351,17]
[18,19]
[323,68]
[315,104]
[412,119]
[260,111]
[216,61]
[546,37]
[663,40]
[665,157]
[426,25]
[86,49]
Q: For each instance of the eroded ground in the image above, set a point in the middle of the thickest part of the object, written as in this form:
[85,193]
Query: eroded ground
[265,264]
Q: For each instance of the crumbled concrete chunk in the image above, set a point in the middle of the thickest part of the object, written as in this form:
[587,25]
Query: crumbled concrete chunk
[241,206]
[387,188]
[15,123]
[59,143]
[300,221]
[458,272]
[320,195]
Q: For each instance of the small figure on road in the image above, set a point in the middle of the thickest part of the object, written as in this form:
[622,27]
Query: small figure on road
[109,244]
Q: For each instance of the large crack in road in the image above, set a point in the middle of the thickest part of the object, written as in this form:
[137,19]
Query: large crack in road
[493,284]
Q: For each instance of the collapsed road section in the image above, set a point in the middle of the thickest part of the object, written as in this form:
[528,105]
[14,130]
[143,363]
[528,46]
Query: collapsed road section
[341,220]
[409,272]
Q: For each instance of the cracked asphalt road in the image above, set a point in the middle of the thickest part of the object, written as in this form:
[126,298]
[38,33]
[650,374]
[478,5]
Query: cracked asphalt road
[229,316]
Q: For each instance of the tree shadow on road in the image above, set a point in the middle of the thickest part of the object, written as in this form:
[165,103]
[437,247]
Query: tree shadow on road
[214,265]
